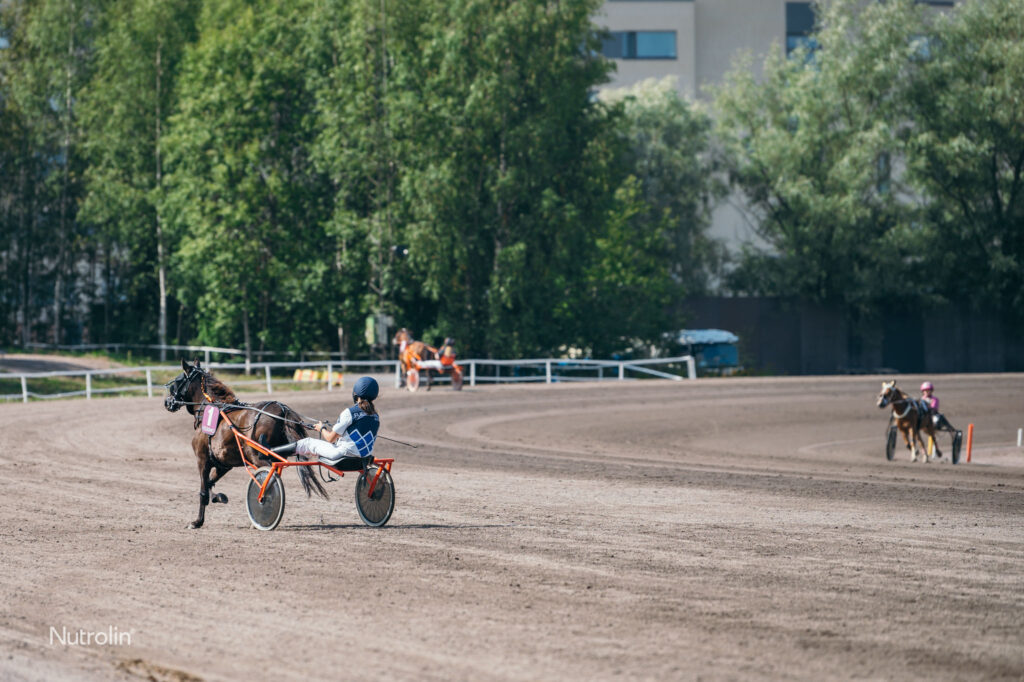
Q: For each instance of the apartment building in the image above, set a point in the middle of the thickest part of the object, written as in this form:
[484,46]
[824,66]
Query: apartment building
[696,40]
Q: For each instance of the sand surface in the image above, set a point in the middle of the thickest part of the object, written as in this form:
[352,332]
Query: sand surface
[714,529]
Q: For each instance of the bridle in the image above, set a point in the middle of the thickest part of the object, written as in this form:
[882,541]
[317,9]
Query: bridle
[178,396]
[886,401]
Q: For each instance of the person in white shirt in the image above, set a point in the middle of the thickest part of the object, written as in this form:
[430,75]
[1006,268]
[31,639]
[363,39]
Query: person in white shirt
[352,435]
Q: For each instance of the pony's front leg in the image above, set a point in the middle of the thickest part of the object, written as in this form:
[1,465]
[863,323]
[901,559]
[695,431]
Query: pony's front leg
[908,438]
[204,490]
[217,498]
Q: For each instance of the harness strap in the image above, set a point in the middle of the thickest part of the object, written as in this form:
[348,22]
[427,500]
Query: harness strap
[906,411]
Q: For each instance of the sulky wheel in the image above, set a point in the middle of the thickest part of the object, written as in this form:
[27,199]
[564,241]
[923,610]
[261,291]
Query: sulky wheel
[412,379]
[265,514]
[375,509]
[890,443]
[457,379]
[958,440]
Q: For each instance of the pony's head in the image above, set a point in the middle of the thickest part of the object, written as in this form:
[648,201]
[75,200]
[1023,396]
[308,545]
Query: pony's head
[400,336]
[181,389]
[888,393]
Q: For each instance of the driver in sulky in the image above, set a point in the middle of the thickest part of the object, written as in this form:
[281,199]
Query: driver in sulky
[446,354]
[929,398]
[353,434]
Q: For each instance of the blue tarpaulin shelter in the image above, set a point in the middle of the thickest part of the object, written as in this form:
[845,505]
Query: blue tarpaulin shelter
[712,348]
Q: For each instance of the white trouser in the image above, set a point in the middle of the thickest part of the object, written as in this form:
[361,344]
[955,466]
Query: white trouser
[321,448]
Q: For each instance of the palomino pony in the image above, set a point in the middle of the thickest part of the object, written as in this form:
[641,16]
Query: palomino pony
[911,418]
[269,423]
[409,351]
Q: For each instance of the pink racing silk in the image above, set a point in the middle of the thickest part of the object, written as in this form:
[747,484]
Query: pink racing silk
[932,402]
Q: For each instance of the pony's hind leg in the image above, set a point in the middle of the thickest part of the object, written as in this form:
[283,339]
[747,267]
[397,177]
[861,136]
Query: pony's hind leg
[920,439]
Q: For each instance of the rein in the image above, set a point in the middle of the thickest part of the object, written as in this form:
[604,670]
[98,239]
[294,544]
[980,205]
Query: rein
[245,406]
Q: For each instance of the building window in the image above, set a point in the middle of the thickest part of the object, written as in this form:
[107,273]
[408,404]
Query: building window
[640,45]
[800,27]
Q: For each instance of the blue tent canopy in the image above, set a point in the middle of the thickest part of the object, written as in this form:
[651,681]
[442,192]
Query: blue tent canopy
[706,337]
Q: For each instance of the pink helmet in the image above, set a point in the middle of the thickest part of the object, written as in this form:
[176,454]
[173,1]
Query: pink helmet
[927,386]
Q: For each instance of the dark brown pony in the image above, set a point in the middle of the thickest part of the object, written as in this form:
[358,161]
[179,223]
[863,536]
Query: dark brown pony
[409,351]
[269,423]
[911,417]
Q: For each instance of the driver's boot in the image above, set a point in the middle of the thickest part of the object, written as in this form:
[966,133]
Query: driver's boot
[285,450]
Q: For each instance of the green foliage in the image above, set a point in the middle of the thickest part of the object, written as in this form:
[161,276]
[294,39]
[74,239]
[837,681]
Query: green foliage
[656,249]
[244,172]
[503,202]
[965,153]
[242,192]
[43,70]
[885,168]
[125,114]
[811,147]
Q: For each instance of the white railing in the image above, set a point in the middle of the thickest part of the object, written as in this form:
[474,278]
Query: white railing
[169,371]
[554,370]
[545,370]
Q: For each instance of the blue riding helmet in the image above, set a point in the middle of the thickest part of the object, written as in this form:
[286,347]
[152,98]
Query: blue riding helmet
[366,388]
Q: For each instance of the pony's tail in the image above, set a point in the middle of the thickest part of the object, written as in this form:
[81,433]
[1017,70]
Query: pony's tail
[310,483]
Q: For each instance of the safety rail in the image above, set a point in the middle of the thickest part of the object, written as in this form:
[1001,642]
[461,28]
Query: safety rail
[554,370]
[545,370]
[148,377]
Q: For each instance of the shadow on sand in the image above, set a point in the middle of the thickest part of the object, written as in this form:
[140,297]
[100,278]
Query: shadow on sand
[399,526]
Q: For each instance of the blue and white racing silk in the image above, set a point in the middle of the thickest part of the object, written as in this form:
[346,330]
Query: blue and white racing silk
[357,431]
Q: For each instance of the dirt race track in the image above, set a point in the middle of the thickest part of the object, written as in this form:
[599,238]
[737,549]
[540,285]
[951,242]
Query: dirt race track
[716,529]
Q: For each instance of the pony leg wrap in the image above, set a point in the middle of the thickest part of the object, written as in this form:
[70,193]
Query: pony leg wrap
[204,497]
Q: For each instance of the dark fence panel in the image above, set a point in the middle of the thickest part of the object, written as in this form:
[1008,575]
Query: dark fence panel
[783,336]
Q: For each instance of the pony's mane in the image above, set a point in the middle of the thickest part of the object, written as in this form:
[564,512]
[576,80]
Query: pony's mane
[219,391]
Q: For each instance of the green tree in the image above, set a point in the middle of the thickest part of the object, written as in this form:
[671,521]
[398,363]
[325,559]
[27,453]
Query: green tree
[811,149]
[125,112]
[21,174]
[504,206]
[655,249]
[44,68]
[966,153]
[240,185]
[367,92]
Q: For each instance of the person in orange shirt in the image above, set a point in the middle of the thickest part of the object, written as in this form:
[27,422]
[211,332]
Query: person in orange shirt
[446,354]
